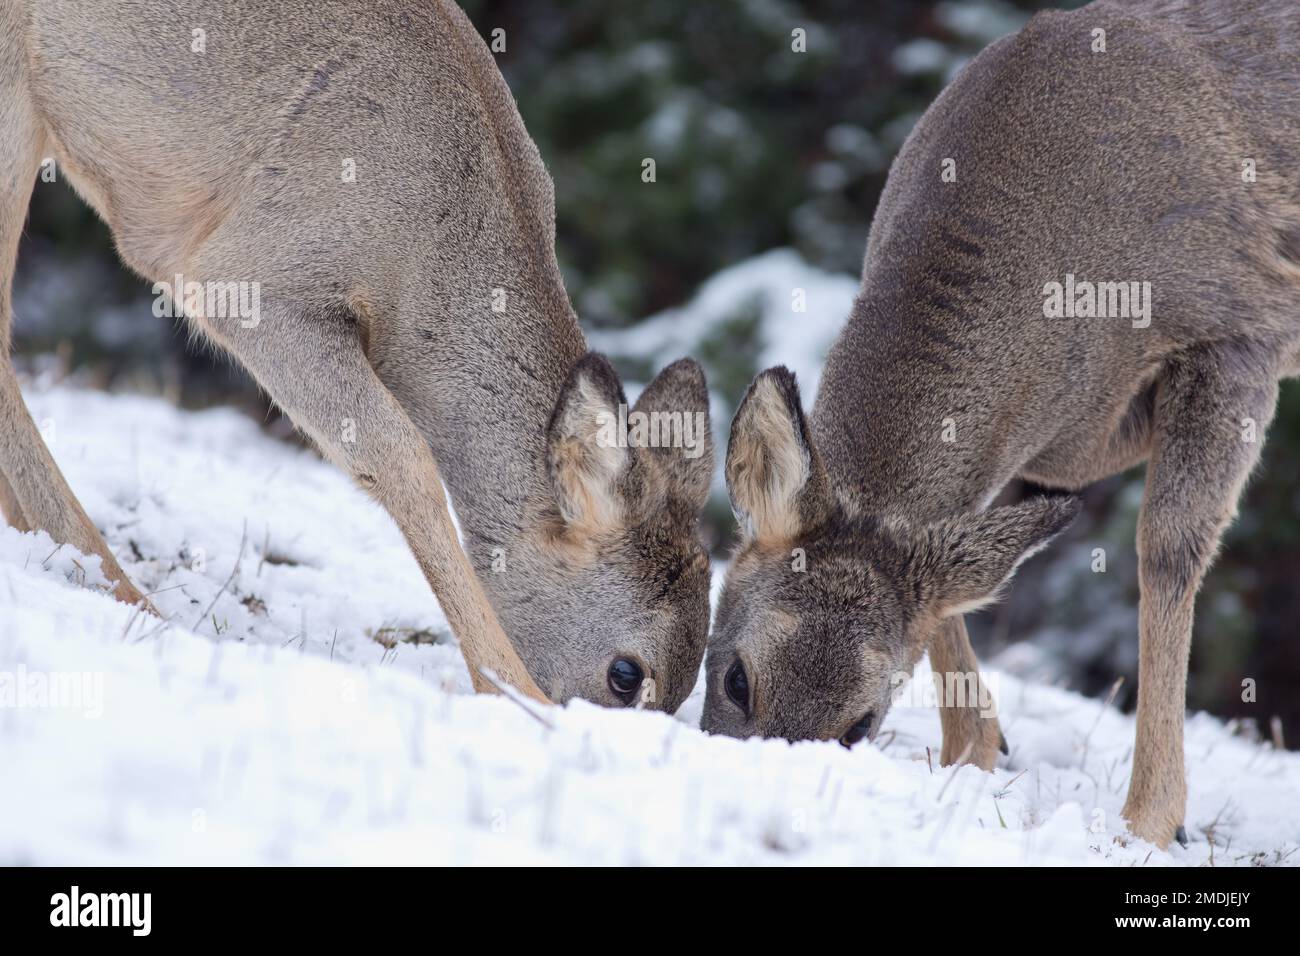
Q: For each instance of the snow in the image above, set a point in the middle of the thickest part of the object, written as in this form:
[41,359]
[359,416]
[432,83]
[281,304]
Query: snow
[800,311]
[265,723]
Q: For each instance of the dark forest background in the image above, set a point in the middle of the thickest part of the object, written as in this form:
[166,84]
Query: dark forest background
[759,150]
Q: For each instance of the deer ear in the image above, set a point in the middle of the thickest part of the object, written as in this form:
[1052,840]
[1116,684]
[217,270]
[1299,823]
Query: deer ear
[964,562]
[587,453]
[676,410]
[777,482]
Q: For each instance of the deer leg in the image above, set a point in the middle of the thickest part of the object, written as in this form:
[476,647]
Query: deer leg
[1124,446]
[1208,432]
[970,726]
[38,494]
[19,146]
[311,363]
[10,507]
[33,491]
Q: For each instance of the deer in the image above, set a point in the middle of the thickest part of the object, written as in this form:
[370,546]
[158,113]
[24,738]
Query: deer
[1154,141]
[367,167]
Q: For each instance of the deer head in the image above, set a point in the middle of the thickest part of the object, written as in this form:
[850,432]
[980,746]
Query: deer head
[824,607]
[612,600]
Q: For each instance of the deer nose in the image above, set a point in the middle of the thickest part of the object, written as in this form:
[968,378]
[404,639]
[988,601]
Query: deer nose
[859,730]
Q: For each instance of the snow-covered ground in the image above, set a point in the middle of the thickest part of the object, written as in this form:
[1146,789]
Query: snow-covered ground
[305,705]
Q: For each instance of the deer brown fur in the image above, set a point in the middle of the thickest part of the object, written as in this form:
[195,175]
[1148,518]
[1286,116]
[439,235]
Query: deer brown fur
[413,319]
[950,380]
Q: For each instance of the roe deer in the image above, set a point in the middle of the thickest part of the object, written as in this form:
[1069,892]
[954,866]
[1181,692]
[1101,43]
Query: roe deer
[365,164]
[1163,150]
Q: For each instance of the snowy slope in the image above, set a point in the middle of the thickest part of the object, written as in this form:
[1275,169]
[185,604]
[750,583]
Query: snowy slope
[314,711]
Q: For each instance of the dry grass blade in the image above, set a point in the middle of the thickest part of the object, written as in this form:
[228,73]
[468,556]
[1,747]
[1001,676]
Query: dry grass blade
[1110,699]
[511,694]
[243,540]
[1007,789]
[961,762]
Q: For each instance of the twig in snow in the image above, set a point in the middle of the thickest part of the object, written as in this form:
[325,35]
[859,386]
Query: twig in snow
[826,776]
[1211,829]
[174,587]
[130,622]
[669,740]
[243,539]
[961,762]
[162,625]
[835,798]
[1110,699]
[511,694]
[1007,789]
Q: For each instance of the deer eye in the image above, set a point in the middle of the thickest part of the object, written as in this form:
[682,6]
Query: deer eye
[859,730]
[624,678]
[737,686]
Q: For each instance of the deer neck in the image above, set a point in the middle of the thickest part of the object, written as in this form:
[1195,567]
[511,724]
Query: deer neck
[904,426]
[497,376]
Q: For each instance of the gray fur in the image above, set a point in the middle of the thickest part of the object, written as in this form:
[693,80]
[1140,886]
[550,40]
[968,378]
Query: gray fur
[378,295]
[1123,165]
